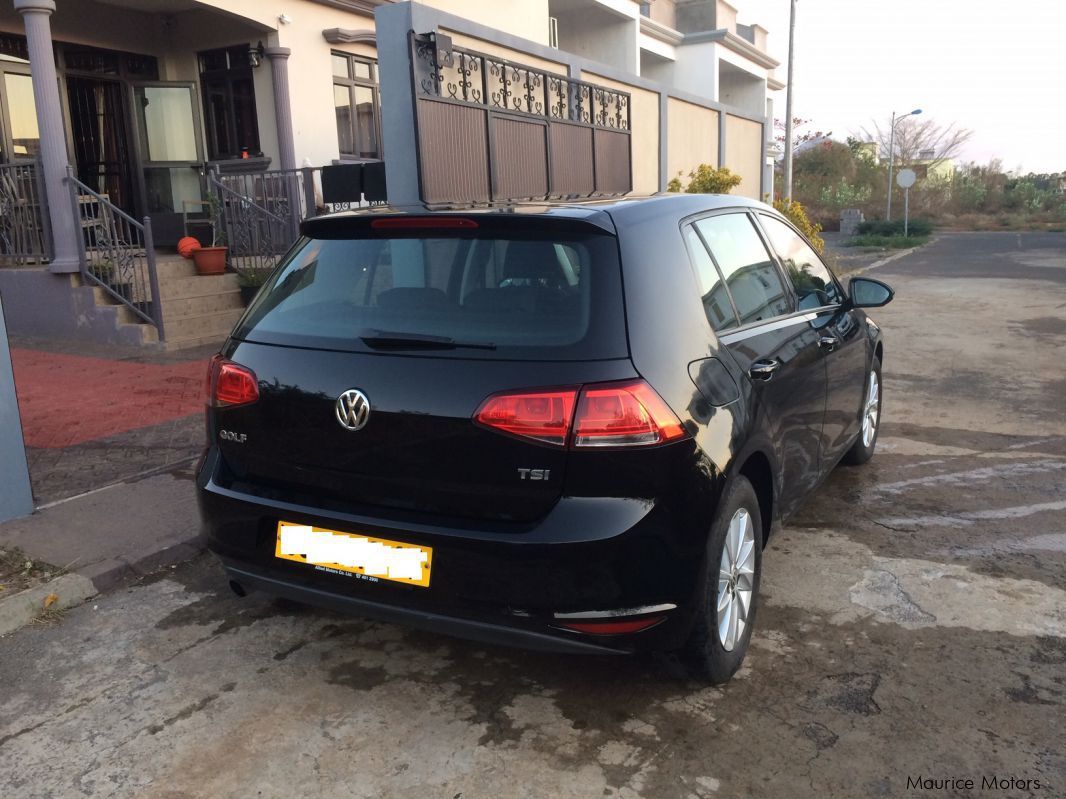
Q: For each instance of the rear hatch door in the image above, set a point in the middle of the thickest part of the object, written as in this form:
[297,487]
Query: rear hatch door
[423,320]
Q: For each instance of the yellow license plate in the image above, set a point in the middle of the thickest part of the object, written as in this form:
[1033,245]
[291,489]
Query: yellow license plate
[356,555]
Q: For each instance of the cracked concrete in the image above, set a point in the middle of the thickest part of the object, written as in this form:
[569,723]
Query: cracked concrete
[914,622]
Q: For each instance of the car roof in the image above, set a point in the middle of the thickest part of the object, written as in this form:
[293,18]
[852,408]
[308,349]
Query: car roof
[604,212]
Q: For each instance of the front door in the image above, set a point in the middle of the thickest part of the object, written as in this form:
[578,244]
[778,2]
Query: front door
[841,336]
[170,156]
[102,154]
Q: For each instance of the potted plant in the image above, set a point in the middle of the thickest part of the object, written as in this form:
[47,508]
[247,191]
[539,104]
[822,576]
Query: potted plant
[212,260]
[250,281]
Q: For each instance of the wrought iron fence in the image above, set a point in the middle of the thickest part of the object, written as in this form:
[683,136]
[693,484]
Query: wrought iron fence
[485,80]
[24,234]
[117,253]
[260,214]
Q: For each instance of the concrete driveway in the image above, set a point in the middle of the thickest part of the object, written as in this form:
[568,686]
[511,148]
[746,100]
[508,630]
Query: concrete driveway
[913,627]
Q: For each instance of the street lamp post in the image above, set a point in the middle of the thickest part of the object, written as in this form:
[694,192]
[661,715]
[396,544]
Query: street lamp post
[891,153]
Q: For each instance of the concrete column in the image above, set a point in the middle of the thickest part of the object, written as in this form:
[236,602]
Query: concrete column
[65,230]
[279,65]
[392,23]
[16,498]
[664,139]
[721,137]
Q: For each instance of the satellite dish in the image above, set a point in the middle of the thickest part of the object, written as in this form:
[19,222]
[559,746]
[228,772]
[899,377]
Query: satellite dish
[905,179]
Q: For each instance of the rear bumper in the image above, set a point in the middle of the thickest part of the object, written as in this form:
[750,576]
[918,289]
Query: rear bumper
[418,619]
[595,554]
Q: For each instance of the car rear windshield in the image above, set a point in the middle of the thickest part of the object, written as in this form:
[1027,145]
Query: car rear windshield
[471,294]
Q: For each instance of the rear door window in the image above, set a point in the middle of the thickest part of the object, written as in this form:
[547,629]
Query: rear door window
[810,278]
[751,275]
[713,293]
[513,296]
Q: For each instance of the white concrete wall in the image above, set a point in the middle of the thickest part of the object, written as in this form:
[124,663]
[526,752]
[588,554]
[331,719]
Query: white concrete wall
[743,154]
[696,69]
[692,138]
[657,69]
[601,36]
[741,83]
[525,18]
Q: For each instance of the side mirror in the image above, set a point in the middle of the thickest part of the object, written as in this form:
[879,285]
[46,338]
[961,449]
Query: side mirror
[869,293]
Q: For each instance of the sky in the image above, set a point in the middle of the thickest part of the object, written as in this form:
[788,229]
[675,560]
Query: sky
[997,68]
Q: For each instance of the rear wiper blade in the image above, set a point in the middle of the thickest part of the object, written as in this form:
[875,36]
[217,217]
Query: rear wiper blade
[385,339]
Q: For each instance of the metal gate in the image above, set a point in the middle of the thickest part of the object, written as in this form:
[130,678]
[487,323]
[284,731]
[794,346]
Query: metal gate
[492,130]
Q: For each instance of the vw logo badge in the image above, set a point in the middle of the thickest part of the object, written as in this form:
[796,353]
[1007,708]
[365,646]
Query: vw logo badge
[353,409]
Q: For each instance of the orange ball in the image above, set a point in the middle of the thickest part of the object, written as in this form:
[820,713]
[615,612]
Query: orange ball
[187,246]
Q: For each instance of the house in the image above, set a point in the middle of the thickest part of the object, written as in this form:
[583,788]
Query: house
[125,124]
[928,166]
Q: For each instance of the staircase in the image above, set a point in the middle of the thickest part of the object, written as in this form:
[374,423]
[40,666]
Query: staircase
[197,309]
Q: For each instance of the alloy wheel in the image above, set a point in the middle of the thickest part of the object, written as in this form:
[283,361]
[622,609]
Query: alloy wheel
[736,579]
[870,411]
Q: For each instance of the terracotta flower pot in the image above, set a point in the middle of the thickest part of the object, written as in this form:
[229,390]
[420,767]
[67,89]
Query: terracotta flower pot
[210,260]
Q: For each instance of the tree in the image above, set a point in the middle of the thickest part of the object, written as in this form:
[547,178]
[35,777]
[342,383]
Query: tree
[917,135]
[798,138]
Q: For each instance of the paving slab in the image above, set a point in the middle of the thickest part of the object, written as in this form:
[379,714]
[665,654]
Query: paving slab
[58,594]
[116,534]
[93,416]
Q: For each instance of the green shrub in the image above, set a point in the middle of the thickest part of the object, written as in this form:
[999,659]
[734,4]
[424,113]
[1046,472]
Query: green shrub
[706,179]
[797,215]
[880,227]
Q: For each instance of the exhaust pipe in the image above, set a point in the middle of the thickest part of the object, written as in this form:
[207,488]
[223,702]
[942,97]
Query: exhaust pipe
[237,588]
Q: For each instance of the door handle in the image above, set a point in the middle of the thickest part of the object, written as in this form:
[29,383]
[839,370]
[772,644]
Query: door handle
[764,369]
[828,343]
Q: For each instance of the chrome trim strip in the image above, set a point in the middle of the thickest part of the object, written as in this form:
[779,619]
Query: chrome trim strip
[748,332]
[617,612]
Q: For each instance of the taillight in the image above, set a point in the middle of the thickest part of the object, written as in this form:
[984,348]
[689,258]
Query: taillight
[230,384]
[540,415]
[624,414]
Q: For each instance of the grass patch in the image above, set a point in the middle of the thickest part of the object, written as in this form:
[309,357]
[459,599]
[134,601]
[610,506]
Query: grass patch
[49,617]
[887,242]
[18,571]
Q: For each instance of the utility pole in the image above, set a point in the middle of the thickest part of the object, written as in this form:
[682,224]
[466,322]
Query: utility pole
[788,105]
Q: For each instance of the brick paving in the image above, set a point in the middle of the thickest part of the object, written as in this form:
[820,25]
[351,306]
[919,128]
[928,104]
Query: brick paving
[71,399]
[92,417]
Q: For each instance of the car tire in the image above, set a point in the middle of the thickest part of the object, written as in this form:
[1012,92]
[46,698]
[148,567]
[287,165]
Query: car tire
[870,419]
[729,584]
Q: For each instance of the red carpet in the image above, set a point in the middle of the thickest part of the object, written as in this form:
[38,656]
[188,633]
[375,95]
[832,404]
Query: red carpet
[68,399]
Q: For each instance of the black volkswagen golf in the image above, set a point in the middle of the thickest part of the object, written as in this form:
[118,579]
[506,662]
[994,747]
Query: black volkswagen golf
[567,426]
